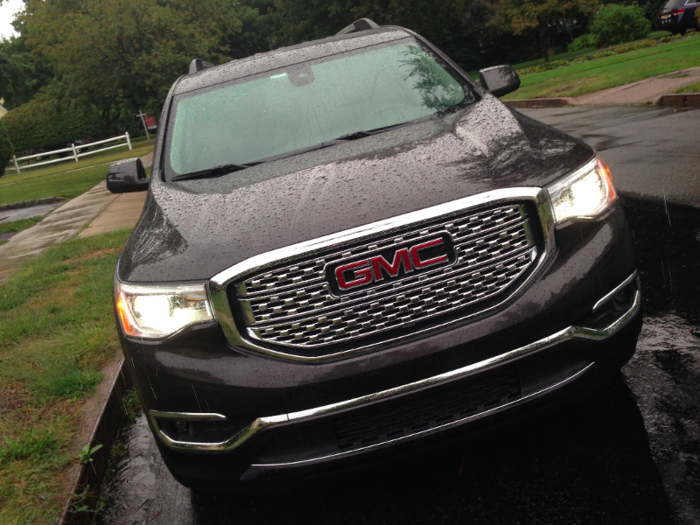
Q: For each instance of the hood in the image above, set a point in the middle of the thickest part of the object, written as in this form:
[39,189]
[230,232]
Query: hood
[193,230]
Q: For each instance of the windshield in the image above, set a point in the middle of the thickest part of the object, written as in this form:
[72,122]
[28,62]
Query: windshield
[307,105]
[668,6]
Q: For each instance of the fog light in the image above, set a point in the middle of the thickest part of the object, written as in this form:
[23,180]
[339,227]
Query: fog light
[621,298]
[182,427]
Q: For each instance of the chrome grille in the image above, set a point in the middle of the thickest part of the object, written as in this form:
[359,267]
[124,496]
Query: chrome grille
[294,306]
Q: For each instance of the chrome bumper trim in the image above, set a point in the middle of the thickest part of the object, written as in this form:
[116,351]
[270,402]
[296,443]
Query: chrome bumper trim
[261,423]
[614,292]
[430,431]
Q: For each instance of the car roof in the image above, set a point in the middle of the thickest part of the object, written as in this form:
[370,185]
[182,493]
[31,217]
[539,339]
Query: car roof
[288,56]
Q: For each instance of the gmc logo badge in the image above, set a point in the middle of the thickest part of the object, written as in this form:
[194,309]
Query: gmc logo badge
[392,263]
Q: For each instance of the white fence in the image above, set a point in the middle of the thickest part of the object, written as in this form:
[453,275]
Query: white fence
[75,150]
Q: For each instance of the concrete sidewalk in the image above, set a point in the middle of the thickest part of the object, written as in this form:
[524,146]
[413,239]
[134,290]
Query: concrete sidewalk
[123,212]
[98,207]
[649,90]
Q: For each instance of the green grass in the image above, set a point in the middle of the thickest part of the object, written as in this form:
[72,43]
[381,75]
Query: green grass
[588,77]
[561,56]
[690,88]
[18,226]
[56,332]
[63,180]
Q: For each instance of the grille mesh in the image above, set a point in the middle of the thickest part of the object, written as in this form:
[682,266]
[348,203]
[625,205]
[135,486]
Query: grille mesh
[398,419]
[293,305]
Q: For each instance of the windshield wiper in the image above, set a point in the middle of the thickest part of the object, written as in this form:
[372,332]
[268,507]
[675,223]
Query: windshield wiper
[366,133]
[216,171]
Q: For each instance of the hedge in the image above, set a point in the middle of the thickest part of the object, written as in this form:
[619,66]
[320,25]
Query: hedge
[41,123]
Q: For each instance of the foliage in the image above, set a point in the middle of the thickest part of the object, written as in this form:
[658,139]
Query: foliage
[616,24]
[86,453]
[583,42]
[538,17]
[49,121]
[21,74]
[7,149]
[123,56]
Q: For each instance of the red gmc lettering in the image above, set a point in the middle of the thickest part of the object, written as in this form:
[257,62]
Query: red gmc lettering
[400,257]
[373,269]
[362,275]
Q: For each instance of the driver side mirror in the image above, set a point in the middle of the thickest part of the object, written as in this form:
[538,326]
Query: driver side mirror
[127,176]
[499,80]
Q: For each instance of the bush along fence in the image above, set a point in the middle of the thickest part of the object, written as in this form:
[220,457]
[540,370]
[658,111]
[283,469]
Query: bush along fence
[74,150]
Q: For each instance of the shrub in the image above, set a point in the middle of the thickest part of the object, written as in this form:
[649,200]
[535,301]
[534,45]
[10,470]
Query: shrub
[6,148]
[616,24]
[583,42]
[43,122]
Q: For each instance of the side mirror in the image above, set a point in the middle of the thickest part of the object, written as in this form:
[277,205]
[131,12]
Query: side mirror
[499,80]
[127,176]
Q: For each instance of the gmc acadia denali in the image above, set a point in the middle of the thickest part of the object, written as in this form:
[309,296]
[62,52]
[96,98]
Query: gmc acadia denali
[349,247]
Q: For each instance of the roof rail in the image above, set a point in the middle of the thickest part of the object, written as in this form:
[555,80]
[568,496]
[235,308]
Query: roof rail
[198,65]
[363,24]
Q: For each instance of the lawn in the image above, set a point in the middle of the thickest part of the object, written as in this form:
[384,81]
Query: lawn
[690,88]
[588,77]
[64,180]
[56,332]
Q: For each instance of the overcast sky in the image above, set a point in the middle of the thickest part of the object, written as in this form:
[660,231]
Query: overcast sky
[7,14]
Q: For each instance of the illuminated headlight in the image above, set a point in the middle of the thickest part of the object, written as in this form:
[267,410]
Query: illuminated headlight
[153,312]
[584,194]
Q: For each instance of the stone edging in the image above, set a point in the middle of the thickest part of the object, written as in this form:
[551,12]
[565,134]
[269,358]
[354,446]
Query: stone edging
[30,203]
[105,431]
[680,100]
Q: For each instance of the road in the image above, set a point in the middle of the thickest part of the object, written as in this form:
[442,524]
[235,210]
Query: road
[629,455]
[652,152]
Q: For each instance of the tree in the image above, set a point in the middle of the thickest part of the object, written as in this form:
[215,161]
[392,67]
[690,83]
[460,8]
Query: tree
[539,18]
[6,148]
[123,55]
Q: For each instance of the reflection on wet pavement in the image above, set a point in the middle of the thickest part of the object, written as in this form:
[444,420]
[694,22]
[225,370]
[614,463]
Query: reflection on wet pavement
[628,455]
[665,372]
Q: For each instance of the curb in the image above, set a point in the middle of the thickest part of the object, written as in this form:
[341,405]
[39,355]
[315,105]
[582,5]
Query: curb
[105,431]
[30,203]
[559,102]
[680,100]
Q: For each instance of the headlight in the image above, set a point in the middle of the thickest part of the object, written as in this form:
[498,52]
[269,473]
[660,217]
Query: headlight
[153,312]
[584,194]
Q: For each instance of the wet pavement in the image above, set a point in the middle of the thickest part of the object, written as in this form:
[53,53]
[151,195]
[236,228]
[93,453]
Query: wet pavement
[26,213]
[653,152]
[628,455]
[59,226]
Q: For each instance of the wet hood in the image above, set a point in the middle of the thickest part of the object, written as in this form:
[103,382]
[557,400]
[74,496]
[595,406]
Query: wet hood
[193,230]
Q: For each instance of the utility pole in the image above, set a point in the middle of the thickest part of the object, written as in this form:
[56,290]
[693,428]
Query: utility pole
[143,121]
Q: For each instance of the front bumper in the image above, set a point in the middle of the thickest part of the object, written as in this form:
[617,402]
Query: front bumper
[283,420]
[272,449]
[226,417]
